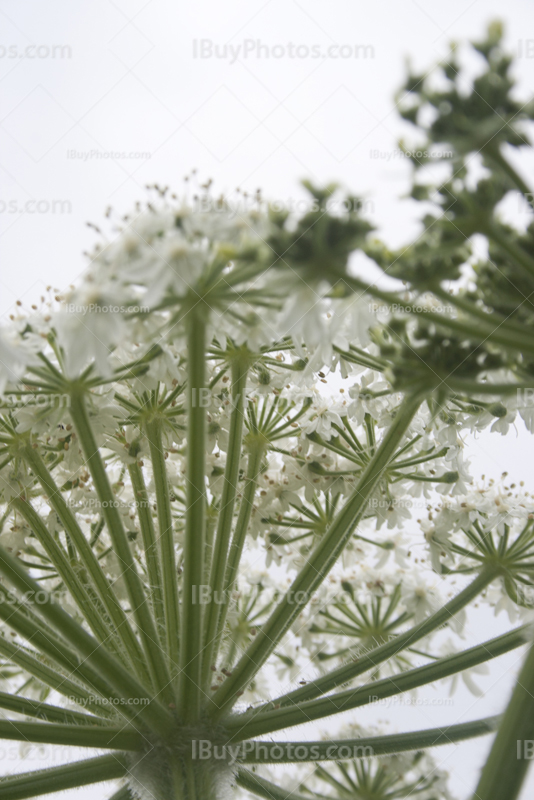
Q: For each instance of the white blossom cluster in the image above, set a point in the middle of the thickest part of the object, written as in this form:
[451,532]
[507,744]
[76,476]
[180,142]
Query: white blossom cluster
[427,519]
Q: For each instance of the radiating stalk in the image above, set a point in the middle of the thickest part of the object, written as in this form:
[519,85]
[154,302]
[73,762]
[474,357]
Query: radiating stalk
[97,624]
[98,667]
[280,752]
[35,666]
[48,639]
[495,155]
[238,540]
[475,328]
[148,534]
[378,655]
[226,512]
[369,693]
[68,776]
[166,543]
[318,565]
[134,587]
[194,543]
[71,735]
[513,748]
[522,258]
[88,559]
[45,711]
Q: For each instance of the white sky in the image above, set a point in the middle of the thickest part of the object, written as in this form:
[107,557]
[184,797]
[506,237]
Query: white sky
[128,83]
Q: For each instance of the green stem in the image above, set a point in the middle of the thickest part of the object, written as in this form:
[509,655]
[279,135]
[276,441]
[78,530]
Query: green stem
[88,558]
[75,735]
[68,776]
[194,545]
[166,542]
[479,331]
[495,155]
[349,699]
[99,668]
[238,540]
[261,752]
[49,713]
[511,753]
[23,658]
[146,523]
[121,548]
[390,649]
[515,251]
[473,310]
[50,641]
[226,513]
[102,632]
[319,563]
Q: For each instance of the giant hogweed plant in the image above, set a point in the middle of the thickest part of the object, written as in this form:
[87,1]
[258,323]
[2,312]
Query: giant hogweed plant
[203,545]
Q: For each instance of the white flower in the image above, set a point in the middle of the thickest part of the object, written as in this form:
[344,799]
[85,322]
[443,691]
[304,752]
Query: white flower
[420,599]
[14,357]
[393,545]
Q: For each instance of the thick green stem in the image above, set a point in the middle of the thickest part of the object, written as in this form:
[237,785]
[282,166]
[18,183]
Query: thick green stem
[121,547]
[88,559]
[390,649]
[146,523]
[319,563]
[68,776]
[166,543]
[75,735]
[512,750]
[226,512]
[288,716]
[194,545]
[279,752]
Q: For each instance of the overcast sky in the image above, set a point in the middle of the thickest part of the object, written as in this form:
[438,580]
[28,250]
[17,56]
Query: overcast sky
[102,97]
